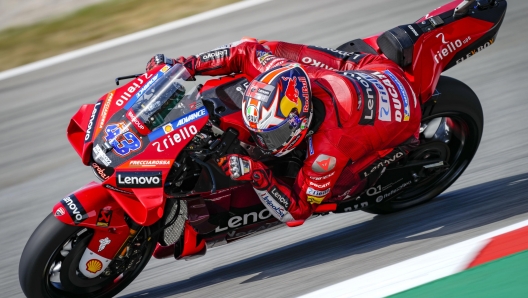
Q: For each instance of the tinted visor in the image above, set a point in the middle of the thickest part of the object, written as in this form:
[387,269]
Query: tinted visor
[276,137]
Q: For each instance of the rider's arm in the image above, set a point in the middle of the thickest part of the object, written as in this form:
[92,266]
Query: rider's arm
[313,184]
[245,56]
[322,57]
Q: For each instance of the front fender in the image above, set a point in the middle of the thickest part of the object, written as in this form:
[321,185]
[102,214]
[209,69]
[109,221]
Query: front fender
[93,207]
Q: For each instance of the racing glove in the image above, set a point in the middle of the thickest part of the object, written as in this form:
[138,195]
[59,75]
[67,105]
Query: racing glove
[243,168]
[160,58]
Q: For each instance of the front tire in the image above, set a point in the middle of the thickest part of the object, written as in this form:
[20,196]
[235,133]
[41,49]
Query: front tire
[51,245]
[458,107]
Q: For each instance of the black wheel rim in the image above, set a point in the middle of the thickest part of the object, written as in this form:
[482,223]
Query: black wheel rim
[78,285]
[462,147]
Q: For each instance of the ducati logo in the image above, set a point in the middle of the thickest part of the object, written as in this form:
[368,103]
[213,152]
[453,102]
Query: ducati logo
[60,211]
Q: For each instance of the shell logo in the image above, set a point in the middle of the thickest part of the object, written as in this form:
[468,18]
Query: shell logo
[94,266]
[168,128]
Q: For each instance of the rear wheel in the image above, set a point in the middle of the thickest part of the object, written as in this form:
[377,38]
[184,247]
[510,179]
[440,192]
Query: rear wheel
[451,132]
[49,263]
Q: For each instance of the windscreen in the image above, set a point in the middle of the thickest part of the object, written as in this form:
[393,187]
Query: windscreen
[169,97]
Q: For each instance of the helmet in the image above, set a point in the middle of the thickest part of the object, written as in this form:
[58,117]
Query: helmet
[277,108]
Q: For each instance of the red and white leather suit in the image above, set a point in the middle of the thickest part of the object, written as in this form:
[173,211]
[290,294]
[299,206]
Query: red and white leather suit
[370,109]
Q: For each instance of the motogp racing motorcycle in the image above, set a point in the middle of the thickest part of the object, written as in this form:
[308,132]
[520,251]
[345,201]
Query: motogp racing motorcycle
[154,144]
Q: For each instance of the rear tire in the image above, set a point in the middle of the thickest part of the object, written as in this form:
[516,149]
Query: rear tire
[44,248]
[458,103]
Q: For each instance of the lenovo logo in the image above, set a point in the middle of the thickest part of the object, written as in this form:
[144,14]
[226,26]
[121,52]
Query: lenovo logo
[139,179]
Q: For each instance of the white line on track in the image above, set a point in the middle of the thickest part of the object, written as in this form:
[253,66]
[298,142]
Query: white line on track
[413,272]
[129,38]
[426,232]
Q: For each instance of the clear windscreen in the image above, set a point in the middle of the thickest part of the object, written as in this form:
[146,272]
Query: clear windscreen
[169,97]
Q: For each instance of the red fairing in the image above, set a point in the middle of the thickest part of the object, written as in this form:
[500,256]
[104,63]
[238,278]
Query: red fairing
[192,245]
[76,131]
[93,207]
[353,129]
[435,50]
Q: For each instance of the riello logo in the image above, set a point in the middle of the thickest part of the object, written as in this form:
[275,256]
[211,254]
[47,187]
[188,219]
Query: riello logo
[449,47]
[169,141]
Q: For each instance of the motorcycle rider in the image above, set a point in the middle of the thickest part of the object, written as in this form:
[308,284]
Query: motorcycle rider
[356,111]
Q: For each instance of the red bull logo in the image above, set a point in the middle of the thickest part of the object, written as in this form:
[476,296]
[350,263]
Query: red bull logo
[291,99]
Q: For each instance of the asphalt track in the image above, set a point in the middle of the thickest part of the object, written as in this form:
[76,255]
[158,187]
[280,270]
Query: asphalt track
[39,167]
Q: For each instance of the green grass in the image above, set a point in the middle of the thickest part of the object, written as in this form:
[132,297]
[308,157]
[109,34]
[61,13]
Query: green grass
[90,25]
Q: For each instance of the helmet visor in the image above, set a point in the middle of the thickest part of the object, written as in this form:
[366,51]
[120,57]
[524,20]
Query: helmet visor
[276,137]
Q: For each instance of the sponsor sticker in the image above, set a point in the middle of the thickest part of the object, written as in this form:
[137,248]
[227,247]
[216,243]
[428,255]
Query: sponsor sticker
[246,219]
[271,204]
[102,173]
[252,113]
[91,124]
[170,127]
[327,184]
[149,163]
[104,218]
[94,266]
[322,178]
[108,186]
[138,179]
[60,212]
[317,193]
[264,57]
[104,111]
[476,50]
[448,47]
[103,243]
[101,156]
[215,55]
[310,146]
[280,197]
[324,163]
[245,167]
[394,156]
[170,141]
[368,94]
[384,110]
[259,91]
[405,96]
[165,68]
[315,200]
[74,209]
[128,93]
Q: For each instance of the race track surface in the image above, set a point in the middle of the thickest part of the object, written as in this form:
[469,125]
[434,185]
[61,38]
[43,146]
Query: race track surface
[39,167]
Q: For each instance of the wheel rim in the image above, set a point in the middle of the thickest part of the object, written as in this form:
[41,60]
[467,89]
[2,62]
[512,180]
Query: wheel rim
[63,277]
[462,144]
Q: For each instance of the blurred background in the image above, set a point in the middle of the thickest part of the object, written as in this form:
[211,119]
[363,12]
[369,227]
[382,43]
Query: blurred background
[39,167]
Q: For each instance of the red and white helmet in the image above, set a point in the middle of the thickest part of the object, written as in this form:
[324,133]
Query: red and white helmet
[277,108]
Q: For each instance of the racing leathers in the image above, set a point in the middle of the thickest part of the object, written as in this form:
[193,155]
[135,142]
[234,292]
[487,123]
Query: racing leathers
[364,108]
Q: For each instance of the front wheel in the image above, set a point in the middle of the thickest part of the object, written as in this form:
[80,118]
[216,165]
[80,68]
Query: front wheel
[49,262]
[457,113]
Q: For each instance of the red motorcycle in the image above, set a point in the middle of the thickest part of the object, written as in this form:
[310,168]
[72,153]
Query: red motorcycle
[154,144]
